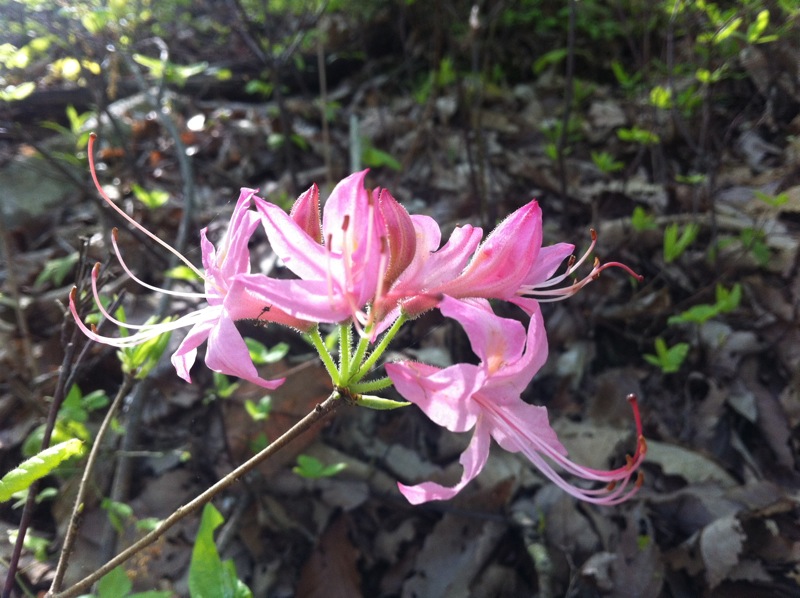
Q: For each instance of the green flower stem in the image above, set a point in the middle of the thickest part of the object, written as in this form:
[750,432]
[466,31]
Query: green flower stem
[345,346]
[371,385]
[361,350]
[379,350]
[324,355]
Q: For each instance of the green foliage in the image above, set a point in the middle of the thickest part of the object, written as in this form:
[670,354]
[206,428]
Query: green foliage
[116,584]
[669,359]
[259,411]
[638,135]
[171,72]
[138,360]
[675,242]
[70,420]
[223,387]
[38,466]
[606,162]
[209,576]
[375,158]
[726,302]
[36,545]
[775,201]
[152,199]
[379,403]
[641,220]
[312,468]
[260,354]
[118,513]
[56,270]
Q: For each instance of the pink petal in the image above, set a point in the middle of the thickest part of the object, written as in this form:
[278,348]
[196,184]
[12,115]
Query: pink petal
[497,341]
[472,460]
[227,353]
[184,357]
[305,212]
[548,261]
[443,394]
[297,250]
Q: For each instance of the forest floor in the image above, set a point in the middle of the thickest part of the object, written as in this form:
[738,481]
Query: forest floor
[718,513]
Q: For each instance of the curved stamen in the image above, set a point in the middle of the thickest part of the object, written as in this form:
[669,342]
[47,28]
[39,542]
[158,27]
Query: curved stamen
[544,294]
[146,332]
[129,272]
[617,480]
[93,170]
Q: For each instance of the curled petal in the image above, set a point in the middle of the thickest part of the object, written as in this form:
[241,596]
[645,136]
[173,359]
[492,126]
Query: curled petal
[472,460]
[227,353]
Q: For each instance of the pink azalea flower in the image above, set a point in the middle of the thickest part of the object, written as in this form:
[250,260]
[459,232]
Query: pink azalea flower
[366,241]
[486,398]
[510,264]
[231,293]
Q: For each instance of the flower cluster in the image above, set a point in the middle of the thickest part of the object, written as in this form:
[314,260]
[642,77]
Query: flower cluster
[365,264]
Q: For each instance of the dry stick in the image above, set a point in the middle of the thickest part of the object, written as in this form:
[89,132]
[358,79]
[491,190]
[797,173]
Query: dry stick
[72,529]
[319,413]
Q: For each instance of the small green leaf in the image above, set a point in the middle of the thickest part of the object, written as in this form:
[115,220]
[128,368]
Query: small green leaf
[15,93]
[259,411]
[379,403]
[37,467]
[641,220]
[675,244]
[758,26]
[638,135]
[727,30]
[114,584]
[151,199]
[661,97]
[260,354]
[375,158]
[182,273]
[56,270]
[312,468]
[669,359]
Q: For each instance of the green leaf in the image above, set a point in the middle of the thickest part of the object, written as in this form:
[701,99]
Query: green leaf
[182,273]
[641,220]
[661,97]
[552,57]
[209,577]
[260,354]
[379,403]
[669,359]
[37,467]
[259,411]
[375,158]
[151,199]
[638,135]
[56,270]
[118,513]
[757,27]
[727,30]
[114,584]
[674,244]
[15,93]
[312,468]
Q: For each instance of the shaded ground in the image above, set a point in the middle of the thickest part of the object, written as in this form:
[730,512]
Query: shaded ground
[718,513]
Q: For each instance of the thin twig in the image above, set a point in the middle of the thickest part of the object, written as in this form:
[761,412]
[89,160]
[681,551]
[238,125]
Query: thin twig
[321,412]
[72,528]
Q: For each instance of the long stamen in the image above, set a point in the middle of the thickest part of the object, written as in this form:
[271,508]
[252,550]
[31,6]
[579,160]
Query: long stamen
[129,272]
[93,170]
[617,480]
[145,333]
[544,294]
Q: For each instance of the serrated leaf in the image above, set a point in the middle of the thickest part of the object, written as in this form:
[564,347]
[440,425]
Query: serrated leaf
[37,467]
